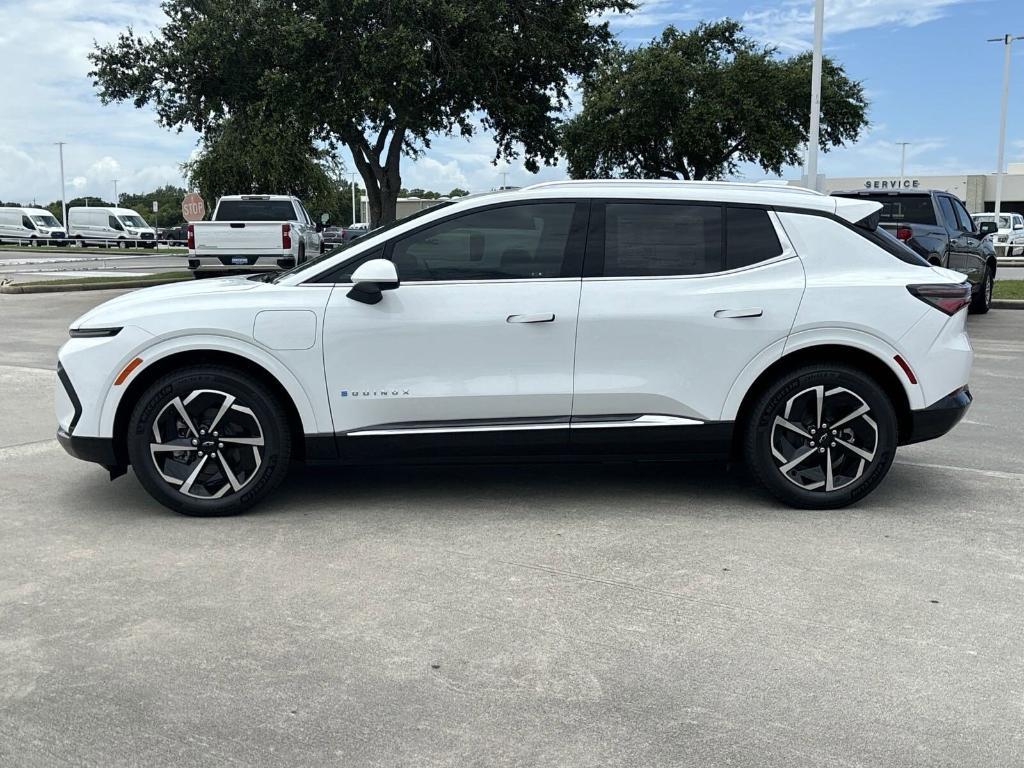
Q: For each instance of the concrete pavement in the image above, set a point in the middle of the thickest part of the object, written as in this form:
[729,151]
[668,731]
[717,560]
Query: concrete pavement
[573,615]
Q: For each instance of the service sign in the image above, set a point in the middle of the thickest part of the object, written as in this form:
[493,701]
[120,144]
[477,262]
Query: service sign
[192,207]
[896,183]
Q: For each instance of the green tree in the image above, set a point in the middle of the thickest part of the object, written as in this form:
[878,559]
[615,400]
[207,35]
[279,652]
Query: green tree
[169,199]
[379,78]
[260,154]
[695,104]
[458,192]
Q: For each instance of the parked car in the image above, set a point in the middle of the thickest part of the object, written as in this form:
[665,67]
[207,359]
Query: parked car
[333,236]
[1008,239]
[31,226]
[122,227]
[355,231]
[595,320]
[937,226]
[175,235]
[252,233]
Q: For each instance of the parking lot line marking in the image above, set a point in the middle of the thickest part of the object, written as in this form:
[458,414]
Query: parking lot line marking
[28,449]
[1018,476]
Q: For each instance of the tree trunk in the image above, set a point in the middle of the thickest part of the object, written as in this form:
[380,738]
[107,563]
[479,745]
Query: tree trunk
[382,179]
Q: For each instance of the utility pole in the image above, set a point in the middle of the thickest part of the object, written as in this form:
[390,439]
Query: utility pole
[63,193]
[504,179]
[812,138]
[903,160]
[1007,41]
[116,201]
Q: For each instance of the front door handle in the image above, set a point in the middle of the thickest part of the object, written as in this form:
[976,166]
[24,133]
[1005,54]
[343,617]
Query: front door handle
[751,312]
[543,317]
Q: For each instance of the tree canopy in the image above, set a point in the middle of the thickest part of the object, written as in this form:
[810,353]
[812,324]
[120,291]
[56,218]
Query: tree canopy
[695,104]
[379,78]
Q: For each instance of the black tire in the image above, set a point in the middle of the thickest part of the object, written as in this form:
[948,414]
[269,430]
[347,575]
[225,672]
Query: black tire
[854,477]
[981,301]
[193,480]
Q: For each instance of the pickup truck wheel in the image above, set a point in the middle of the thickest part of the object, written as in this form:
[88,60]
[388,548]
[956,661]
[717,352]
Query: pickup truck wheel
[821,437]
[981,302]
[209,441]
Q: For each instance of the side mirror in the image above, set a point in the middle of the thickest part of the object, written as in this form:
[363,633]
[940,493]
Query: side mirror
[986,228]
[371,278]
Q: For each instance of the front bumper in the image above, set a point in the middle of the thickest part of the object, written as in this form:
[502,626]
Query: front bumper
[939,418]
[99,450]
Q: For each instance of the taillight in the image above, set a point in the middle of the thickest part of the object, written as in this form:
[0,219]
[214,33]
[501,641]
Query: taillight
[904,233]
[191,237]
[286,236]
[948,297]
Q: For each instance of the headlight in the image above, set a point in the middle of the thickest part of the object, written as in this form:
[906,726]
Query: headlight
[92,333]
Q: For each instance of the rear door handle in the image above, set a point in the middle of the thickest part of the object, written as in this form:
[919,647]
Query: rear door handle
[751,312]
[543,317]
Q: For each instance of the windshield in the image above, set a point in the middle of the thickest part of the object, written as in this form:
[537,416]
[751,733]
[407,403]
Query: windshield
[45,221]
[372,236]
[133,221]
[255,210]
[1004,221]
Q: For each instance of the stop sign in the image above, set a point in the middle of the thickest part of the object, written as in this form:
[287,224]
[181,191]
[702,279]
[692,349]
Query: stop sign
[192,208]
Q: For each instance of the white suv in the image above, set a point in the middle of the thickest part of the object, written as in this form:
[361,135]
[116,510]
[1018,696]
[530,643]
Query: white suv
[595,320]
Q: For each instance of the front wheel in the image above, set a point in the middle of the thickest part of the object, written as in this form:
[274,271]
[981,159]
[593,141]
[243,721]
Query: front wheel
[981,302]
[209,441]
[821,437]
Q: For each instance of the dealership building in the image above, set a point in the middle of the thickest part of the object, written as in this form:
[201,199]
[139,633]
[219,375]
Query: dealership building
[977,190]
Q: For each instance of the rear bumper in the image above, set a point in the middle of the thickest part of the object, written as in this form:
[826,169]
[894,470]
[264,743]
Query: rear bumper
[226,264]
[938,418]
[99,450]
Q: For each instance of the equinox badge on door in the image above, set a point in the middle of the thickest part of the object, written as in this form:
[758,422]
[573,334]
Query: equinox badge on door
[375,393]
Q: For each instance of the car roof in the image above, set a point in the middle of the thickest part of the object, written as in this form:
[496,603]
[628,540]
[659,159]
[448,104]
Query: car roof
[256,197]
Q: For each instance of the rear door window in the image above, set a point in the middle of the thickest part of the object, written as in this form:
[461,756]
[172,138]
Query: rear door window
[647,239]
[750,237]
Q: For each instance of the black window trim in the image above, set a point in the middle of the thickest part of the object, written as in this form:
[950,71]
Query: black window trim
[572,261]
[593,265]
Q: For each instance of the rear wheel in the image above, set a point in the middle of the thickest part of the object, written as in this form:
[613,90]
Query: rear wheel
[981,302]
[209,441]
[821,437]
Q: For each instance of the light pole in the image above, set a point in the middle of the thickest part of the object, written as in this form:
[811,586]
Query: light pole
[352,190]
[812,137]
[115,192]
[1007,41]
[63,193]
[903,160]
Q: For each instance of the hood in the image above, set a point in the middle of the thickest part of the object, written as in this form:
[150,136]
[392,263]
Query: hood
[135,302]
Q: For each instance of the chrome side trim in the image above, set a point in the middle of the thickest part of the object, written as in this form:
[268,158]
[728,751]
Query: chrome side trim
[644,420]
[455,429]
[647,420]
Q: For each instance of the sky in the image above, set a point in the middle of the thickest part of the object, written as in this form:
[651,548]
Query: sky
[929,74]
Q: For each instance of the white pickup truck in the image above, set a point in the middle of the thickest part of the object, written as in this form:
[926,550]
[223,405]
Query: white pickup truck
[252,233]
[1009,237]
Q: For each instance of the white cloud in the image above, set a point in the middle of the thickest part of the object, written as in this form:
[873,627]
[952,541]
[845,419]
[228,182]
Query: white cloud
[790,24]
[655,13]
[45,63]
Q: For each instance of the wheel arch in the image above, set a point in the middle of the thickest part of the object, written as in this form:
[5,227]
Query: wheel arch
[205,356]
[854,357]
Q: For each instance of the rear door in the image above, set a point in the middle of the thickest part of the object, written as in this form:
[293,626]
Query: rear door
[968,254]
[677,298]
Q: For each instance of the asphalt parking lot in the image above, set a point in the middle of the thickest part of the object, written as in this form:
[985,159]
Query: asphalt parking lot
[650,615]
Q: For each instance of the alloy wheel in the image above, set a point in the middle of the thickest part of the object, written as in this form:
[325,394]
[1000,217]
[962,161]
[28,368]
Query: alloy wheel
[207,444]
[825,438]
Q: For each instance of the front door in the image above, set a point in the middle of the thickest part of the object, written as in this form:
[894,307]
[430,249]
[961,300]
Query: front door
[473,353]
[677,299]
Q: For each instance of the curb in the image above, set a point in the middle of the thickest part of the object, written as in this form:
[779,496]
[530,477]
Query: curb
[1007,304]
[61,288]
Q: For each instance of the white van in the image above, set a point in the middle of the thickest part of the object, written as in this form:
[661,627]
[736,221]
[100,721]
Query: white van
[108,226]
[30,226]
